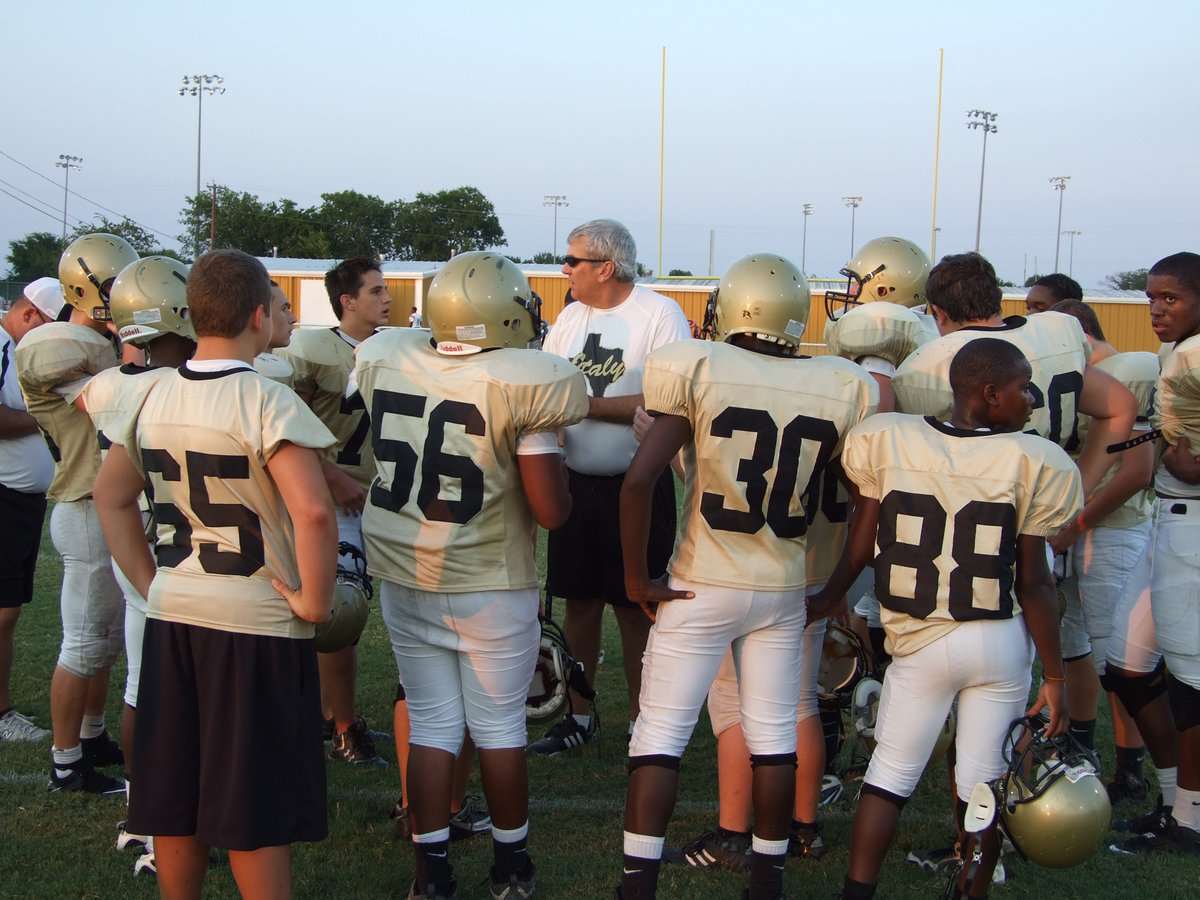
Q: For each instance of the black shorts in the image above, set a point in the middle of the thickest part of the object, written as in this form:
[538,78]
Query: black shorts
[228,745]
[21,519]
[584,556]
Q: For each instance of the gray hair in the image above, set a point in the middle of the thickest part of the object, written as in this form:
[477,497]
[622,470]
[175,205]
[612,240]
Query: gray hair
[608,239]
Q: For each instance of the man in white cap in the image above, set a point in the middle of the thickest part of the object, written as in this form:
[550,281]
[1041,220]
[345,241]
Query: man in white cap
[26,469]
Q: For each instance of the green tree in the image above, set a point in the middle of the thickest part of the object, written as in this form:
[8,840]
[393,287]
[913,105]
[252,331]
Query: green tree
[145,243]
[1133,280]
[548,258]
[356,224]
[436,226]
[34,256]
[234,220]
[679,273]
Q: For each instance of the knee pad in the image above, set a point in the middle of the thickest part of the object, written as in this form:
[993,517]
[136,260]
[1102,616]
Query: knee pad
[1185,703]
[1137,691]
[655,759]
[773,759]
[895,799]
[400,695]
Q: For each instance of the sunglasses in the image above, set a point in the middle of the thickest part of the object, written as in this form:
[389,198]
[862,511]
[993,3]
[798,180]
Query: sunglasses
[573,261]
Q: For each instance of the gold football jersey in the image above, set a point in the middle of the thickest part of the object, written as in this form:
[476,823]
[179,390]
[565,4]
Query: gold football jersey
[764,431]
[446,510]
[321,361]
[1138,371]
[882,329]
[274,367]
[202,441]
[60,353]
[952,504]
[1056,349]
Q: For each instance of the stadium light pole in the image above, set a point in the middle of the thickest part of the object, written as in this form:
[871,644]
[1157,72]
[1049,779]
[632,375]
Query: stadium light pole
[1060,185]
[197,86]
[1071,256]
[808,211]
[555,200]
[66,162]
[981,118]
[852,202]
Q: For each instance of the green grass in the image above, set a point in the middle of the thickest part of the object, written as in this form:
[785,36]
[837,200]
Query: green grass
[59,847]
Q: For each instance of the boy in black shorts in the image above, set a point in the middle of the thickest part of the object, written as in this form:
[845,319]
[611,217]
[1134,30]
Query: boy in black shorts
[244,560]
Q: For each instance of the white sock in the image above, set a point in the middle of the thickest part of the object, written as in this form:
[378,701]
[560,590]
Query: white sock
[1187,808]
[643,846]
[93,726]
[1166,782]
[63,759]
[582,721]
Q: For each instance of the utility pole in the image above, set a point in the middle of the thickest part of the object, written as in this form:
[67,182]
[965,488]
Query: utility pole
[808,211]
[67,162]
[1071,257]
[981,118]
[555,200]
[1060,185]
[851,202]
[197,86]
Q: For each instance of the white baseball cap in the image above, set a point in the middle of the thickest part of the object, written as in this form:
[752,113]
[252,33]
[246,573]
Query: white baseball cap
[46,294]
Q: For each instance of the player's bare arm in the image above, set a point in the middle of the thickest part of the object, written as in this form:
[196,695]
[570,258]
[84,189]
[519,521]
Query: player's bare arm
[614,409]
[1039,602]
[653,455]
[1113,409]
[297,474]
[1181,463]
[544,478]
[348,495]
[856,556]
[15,423]
[116,492]
[1135,474]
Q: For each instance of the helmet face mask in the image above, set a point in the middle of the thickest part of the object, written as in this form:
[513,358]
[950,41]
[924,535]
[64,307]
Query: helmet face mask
[889,268]
[762,295]
[844,662]
[1054,807]
[89,266]
[482,301]
[547,697]
[149,300]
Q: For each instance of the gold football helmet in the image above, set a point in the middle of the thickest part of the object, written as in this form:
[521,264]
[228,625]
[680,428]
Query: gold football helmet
[149,299]
[887,268]
[351,602]
[87,269]
[480,300]
[763,295]
[1054,807]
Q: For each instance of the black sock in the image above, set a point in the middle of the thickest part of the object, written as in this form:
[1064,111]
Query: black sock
[434,859]
[1083,731]
[857,890]
[511,858]
[766,874]
[726,833]
[1131,759]
[639,879]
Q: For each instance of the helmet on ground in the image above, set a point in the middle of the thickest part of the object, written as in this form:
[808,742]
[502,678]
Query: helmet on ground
[844,662]
[763,295]
[88,267]
[887,268]
[1054,807]
[547,697]
[351,603]
[149,299]
[481,300]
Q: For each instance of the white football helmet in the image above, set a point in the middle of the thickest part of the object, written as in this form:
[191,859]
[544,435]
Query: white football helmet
[547,697]
[887,268]
[763,295]
[149,299]
[844,662]
[481,300]
[351,603]
[88,267]
[1054,807]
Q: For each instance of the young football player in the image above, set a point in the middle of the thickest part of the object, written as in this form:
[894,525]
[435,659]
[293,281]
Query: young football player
[740,559]
[954,517]
[1102,548]
[321,360]
[243,565]
[1173,287]
[283,323]
[148,304]
[464,428]
[53,364]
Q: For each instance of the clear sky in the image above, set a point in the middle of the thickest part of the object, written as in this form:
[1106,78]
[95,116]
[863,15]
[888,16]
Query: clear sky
[769,105]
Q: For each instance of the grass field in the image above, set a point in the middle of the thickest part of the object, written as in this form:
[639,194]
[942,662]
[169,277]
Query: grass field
[60,847]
